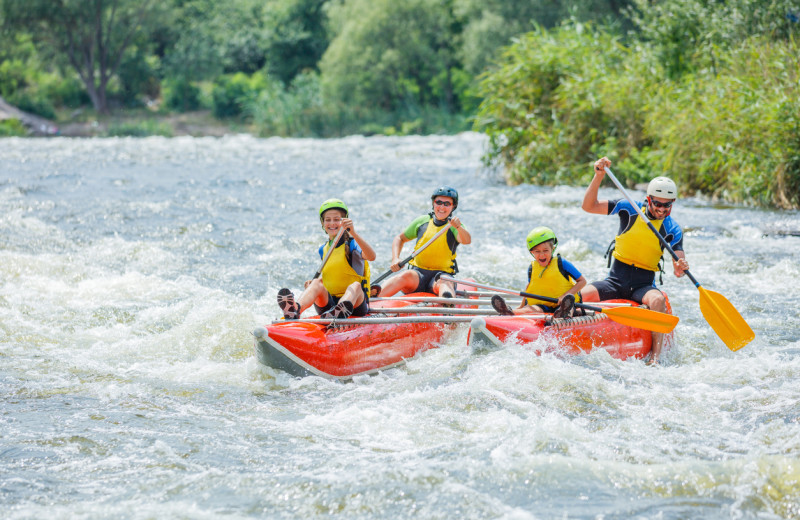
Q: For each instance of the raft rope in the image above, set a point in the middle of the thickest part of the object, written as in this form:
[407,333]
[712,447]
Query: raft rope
[566,323]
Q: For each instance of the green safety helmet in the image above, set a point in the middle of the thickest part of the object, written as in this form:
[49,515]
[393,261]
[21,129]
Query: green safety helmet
[333,204]
[539,235]
[446,191]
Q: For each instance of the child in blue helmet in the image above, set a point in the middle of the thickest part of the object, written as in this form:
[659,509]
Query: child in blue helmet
[439,257]
[546,277]
[343,286]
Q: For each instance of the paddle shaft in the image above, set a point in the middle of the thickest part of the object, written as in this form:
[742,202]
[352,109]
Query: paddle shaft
[661,239]
[414,254]
[328,254]
[400,319]
[382,321]
[431,299]
[433,310]
[524,294]
[637,317]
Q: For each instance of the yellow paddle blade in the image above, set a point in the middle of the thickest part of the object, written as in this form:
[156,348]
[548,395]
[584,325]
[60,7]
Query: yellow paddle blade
[725,319]
[642,318]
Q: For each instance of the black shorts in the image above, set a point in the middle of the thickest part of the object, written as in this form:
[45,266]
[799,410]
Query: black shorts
[626,282]
[361,310]
[427,278]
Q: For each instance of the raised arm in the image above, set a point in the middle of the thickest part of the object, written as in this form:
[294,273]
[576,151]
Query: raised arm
[462,235]
[591,204]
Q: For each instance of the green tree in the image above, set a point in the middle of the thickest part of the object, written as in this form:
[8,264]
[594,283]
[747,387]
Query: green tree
[300,38]
[492,24]
[214,38]
[92,36]
[387,54]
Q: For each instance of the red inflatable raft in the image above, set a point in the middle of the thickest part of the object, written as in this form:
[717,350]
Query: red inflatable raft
[571,336]
[355,346]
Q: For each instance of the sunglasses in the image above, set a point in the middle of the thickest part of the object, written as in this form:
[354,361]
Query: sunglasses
[445,203]
[661,204]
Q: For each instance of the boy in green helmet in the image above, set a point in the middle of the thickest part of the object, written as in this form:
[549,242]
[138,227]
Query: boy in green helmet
[343,286]
[559,279]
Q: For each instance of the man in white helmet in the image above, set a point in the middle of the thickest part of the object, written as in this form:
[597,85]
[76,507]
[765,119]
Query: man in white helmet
[637,251]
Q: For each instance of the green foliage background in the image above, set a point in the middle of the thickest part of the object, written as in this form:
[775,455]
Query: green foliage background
[701,90]
[706,93]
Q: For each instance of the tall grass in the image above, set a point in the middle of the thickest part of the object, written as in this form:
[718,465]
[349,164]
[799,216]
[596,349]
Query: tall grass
[301,111]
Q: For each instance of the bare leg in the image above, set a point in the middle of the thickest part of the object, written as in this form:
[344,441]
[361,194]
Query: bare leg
[353,294]
[314,293]
[529,309]
[655,300]
[590,294]
[405,281]
[444,289]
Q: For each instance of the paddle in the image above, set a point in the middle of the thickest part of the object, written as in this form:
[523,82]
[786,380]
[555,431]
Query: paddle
[717,310]
[432,299]
[380,320]
[414,254]
[328,254]
[433,310]
[630,316]
[394,320]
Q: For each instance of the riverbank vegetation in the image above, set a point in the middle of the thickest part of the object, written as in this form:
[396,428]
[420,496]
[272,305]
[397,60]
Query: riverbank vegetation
[272,67]
[706,92]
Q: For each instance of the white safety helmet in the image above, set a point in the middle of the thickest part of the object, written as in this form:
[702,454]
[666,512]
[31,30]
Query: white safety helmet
[662,187]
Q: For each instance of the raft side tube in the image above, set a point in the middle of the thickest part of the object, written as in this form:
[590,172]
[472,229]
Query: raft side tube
[275,356]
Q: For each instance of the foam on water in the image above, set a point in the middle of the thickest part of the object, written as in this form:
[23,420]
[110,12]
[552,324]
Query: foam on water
[134,270]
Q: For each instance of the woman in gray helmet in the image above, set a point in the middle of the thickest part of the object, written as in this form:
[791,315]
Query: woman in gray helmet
[437,258]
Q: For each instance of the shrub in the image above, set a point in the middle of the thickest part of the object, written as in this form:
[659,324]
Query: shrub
[139,129]
[296,111]
[12,128]
[556,98]
[33,103]
[64,92]
[138,77]
[231,95]
[13,77]
[181,95]
[559,99]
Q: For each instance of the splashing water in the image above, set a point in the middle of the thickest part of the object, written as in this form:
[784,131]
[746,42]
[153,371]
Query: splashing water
[134,270]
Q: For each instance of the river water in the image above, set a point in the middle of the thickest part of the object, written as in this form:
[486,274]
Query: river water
[133,272]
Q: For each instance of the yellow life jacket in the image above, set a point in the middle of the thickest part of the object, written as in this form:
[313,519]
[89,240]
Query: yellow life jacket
[551,281]
[338,273]
[438,256]
[638,246]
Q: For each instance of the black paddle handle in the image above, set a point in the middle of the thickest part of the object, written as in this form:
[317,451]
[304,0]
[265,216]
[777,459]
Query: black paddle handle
[671,252]
[555,300]
[408,258]
[387,273]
